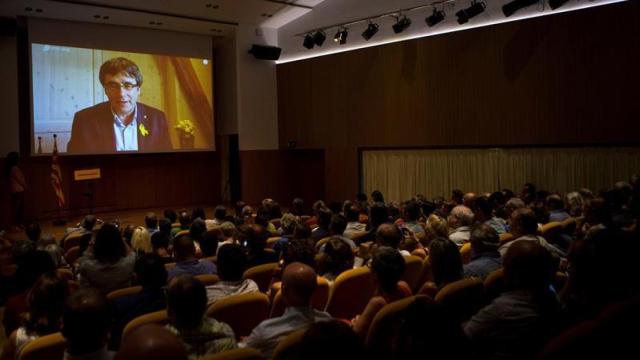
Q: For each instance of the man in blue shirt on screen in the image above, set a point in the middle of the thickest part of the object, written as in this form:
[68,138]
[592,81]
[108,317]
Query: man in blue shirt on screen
[122,123]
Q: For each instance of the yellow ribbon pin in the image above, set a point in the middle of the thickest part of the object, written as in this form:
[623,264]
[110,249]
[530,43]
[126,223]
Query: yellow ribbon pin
[143,130]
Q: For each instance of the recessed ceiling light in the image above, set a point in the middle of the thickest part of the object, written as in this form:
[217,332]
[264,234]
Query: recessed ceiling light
[106,17]
[159,23]
[152,22]
[97,16]
[38,10]
[28,9]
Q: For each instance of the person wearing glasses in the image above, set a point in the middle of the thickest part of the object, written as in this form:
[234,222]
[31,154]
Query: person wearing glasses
[122,123]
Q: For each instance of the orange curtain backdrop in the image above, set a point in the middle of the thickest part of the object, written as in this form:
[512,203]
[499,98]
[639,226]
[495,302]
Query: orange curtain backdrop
[401,174]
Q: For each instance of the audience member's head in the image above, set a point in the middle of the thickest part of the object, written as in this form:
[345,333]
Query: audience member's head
[197,229]
[378,214]
[164,225]
[184,218]
[33,231]
[321,340]
[528,266]
[141,241]
[232,262]
[460,216]
[574,203]
[512,205]
[297,207]
[446,264]
[324,218]
[468,199]
[523,222]
[184,249]
[299,250]
[435,226]
[388,235]
[198,213]
[352,213]
[171,215]
[238,208]
[210,241]
[186,302]
[127,233]
[86,321]
[151,341]
[482,209]
[31,265]
[151,221]
[288,224]
[220,212]
[376,196]
[301,231]
[108,247]
[412,211]
[484,239]
[152,275]
[457,196]
[160,240]
[45,302]
[337,257]
[298,284]
[228,229]
[387,266]
[338,224]
[554,202]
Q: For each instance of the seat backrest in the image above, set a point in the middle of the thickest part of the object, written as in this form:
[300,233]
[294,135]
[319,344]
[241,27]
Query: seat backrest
[261,274]
[159,317]
[49,347]
[494,284]
[465,253]
[463,297]
[350,293]
[75,239]
[505,238]
[208,279]
[116,294]
[386,324]
[242,312]
[288,347]
[71,255]
[169,266]
[318,300]
[272,241]
[321,242]
[236,354]
[412,271]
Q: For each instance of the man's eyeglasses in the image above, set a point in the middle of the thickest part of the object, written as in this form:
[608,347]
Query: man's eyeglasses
[114,86]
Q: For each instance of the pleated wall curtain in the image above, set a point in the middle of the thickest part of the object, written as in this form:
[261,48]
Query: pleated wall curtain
[401,174]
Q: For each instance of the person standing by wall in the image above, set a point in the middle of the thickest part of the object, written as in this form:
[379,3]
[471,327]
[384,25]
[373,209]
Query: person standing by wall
[17,186]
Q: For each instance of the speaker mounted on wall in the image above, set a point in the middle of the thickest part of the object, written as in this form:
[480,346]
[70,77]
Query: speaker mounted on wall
[265,52]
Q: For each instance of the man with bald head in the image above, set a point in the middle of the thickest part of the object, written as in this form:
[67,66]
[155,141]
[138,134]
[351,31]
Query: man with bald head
[152,342]
[86,322]
[298,284]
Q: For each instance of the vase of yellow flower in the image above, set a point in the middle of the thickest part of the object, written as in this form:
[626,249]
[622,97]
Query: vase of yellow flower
[186,133]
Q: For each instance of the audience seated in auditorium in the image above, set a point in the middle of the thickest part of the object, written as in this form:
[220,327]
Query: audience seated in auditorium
[184,219]
[387,268]
[446,264]
[460,221]
[110,265]
[411,215]
[210,242]
[186,262]
[556,209]
[336,258]
[376,196]
[45,302]
[331,339]
[524,227]
[86,322]
[378,215]
[574,203]
[160,241]
[232,263]
[48,243]
[297,208]
[186,307]
[337,228]
[287,228]
[86,225]
[152,341]
[170,215]
[435,226]
[152,276]
[517,323]
[485,257]
[219,215]
[298,284]
[483,214]
[196,233]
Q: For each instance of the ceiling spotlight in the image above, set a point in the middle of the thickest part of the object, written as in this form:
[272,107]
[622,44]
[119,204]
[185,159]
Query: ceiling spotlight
[319,37]
[308,42]
[371,30]
[465,14]
[401,24]
[341,36]
[510,8]
[435,18]
[554,4]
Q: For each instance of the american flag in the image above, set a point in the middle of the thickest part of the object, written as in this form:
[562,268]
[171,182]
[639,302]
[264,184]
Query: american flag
[56,174]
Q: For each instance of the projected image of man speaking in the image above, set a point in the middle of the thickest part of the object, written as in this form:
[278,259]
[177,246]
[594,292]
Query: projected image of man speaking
[122,123]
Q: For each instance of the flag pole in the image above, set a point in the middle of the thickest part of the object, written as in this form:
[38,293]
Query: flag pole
[56,181]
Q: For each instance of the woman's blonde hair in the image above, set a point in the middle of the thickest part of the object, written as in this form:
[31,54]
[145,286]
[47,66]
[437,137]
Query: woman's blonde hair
[141,240]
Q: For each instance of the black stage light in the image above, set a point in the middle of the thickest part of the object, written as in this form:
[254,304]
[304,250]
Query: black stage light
[510,8]
[308,42]
[401,25]
[319,38]
[341,36]
[465,14]
[435,18]
[370,31]
[554,4]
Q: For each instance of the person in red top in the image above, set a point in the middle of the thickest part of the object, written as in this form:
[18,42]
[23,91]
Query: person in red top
[17,186]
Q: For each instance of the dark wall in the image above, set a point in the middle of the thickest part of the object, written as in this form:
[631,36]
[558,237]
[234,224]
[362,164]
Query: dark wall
[568,78]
